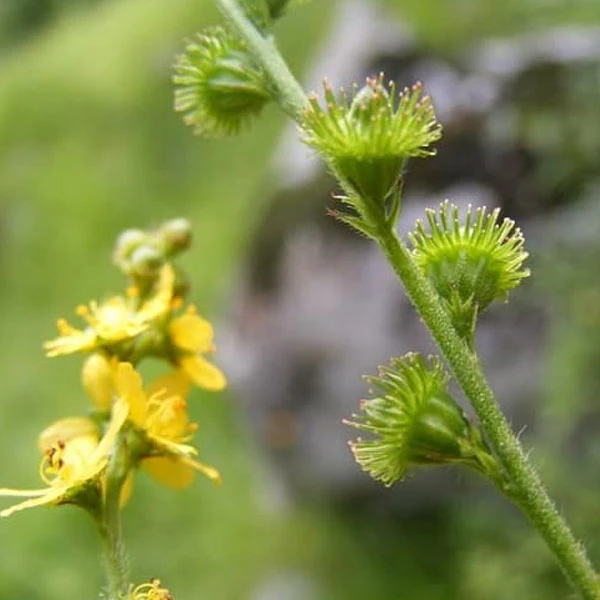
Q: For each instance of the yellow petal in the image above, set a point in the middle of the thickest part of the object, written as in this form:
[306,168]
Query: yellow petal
[50,496]
[160,303]
[169,471]
[205,469]
[119,415]
[192,333]
[98,380]
[22,493]
[126,490]
[66,430]
[70,340]
[128,384]
[173,384]
[203,373]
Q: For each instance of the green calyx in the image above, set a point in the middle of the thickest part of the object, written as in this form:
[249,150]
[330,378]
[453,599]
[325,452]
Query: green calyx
[366,138]
[264,13]
[219,87]
[278,8]
[413,420]
[471,261]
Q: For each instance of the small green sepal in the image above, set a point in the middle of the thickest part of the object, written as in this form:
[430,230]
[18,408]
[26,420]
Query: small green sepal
[366,137]
[279,8]
[471,261]
[413,420]
[218,85]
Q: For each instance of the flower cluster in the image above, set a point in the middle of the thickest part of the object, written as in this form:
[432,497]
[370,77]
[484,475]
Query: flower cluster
[130,425]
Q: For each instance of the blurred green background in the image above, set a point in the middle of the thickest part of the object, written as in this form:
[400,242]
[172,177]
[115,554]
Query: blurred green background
[89,145]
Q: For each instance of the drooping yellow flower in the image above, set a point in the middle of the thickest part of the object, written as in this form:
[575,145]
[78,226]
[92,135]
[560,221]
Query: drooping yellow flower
[161,414]
[115,320]
[151,591]
[69,465]
[191,336]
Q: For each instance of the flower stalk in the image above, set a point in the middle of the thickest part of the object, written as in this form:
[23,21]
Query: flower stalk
[526,489]
[290,94]
[115,557]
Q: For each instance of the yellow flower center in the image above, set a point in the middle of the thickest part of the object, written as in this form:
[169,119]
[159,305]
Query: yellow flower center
[114,318]
[64,463]
[168,419]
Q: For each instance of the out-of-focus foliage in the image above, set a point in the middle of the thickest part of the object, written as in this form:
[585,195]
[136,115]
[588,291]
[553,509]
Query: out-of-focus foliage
[21,18]
[89,145]
[452,25]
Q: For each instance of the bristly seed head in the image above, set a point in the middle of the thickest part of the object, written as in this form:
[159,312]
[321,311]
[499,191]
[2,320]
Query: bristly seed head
[219,87]
[471,260]
[368,135]
[412,420]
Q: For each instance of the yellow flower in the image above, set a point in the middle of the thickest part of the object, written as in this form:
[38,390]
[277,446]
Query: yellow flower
[69,465]
[97,377]
[191,336]
[151,591]
[115,320]
[161,413]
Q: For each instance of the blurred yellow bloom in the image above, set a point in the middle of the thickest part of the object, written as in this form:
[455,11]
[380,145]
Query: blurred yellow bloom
[151,591]
[69,465]
[161,413]
[192,336]
[115,320]
[97,377]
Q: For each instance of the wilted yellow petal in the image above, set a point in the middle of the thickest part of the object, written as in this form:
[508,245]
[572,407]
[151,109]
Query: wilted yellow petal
[203,373]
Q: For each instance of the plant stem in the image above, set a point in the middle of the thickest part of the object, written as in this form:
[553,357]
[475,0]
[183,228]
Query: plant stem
[529,493]
[114,551]
[291,96]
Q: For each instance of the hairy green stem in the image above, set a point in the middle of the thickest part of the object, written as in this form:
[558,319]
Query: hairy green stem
[114,550]
[290,94]
[529,492]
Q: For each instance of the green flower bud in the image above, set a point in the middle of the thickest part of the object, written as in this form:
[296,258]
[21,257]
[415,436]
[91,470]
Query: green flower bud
[414,421]
[368,138]
[218,85]
[127,243]
[176,235]
[146,261]
[471,262]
